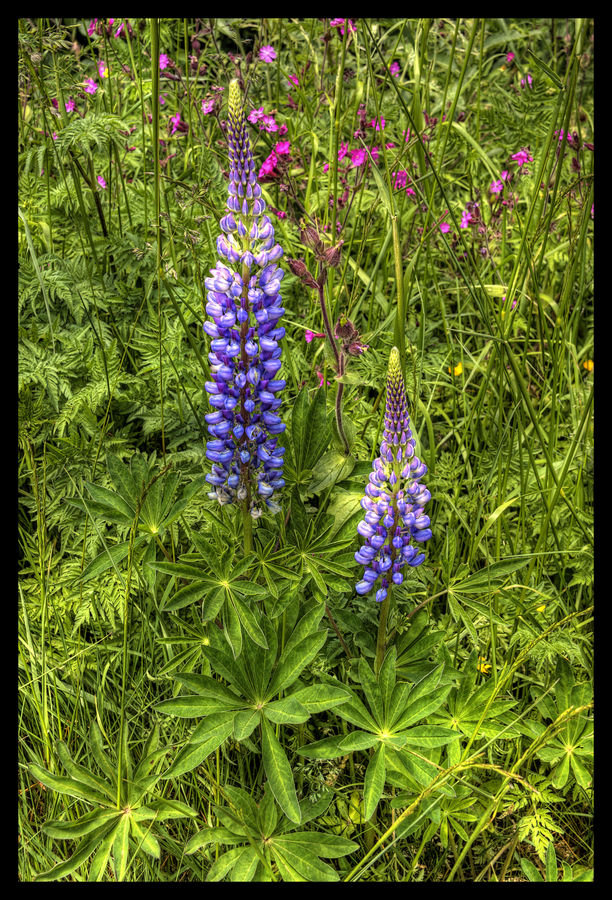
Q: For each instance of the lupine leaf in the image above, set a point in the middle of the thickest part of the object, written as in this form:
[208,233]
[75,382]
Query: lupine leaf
[374,782]
[294,661]
[286,711]
[278,771]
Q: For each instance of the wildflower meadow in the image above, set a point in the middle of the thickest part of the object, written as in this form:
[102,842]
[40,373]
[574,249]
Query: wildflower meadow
[305,450]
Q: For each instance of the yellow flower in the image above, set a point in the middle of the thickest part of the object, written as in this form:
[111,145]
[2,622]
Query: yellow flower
[457,370]
[483,666]
[589,365]
[541,608]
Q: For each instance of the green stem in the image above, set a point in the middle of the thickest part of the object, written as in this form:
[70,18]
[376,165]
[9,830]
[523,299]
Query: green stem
[247,524]
[381,640]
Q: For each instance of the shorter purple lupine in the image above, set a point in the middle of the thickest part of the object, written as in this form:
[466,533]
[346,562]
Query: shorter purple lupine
[395,522]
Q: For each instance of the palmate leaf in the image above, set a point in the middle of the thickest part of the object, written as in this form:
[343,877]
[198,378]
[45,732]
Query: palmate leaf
[108,829]
[264,829]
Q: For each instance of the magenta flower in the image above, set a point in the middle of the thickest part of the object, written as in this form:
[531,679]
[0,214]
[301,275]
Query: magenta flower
[293,79]
[91,86]
[312,334]
[101,181]
[92,27]
[208,106]
[283,148]
[69,105]
[255,115]
[497,187]
[509,56]
[444,227]
[378,124]
[119,30]
[358,157]
[268,166]
[399,178]
[176,121]
[522,157]
[394,69]
[102,69]
[339,23]
[269,123]
[282,130]
[465,219]
[267,54]
[164,62]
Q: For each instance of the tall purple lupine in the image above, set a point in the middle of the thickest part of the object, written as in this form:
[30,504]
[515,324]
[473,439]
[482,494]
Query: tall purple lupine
[245,305]
[394,499]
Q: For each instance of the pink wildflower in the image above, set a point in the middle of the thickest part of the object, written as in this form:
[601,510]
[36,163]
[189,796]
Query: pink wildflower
[358,157]
[119,30]
[102,69]
[339,23]
[444,227]
[394,69]
[400,178]
[522,156]
[92,27]
[378,124]
[91,86]
[208,106]
[176,121]
[268,165]
[164,62]
[269,123]
[282,130]
[267,54]
[69,105]
[497,187]
[509,56]
[312,334]
[283,148]
[255,115]
[293,79]
[101,181]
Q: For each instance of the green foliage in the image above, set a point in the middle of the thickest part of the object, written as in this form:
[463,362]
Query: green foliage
[234,685]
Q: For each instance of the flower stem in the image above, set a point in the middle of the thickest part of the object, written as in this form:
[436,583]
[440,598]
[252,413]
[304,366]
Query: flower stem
[381,640]
[247,525]
[339,363]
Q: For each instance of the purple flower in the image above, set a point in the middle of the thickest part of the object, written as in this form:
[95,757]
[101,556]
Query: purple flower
[244,305]
[267,54]
[164,61]
[395,523]
[91,86]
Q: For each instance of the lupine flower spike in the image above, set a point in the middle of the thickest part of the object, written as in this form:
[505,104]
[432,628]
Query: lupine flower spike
[245,305]
[395,523]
